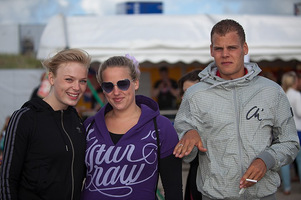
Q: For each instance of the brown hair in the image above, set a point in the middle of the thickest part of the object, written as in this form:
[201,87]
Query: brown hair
[228,25]
[190,76]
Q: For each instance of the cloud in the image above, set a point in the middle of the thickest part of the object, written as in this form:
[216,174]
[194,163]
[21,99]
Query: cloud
[270,7]
[36,11]
[9,10]
[100,7]
[39,11]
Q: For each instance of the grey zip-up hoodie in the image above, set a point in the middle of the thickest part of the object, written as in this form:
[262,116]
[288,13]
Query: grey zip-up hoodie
[238,120]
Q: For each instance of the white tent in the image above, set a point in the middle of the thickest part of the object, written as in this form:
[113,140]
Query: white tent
[153,38]
[157,38]
[16,86]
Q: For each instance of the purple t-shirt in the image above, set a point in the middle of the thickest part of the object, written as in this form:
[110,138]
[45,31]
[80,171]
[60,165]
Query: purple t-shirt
[129,169]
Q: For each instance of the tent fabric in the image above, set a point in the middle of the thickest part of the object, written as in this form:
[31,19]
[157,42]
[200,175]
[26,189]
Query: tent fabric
[16,87]
[170,38]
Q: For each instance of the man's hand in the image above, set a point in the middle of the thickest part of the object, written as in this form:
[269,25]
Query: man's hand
[255,172]
[186,144]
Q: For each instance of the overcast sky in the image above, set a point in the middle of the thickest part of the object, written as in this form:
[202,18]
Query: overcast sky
[39,11]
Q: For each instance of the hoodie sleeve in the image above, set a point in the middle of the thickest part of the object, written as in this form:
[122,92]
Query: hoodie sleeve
[15,146]
[168,136]
[171,176]
[285,145]
[185,122]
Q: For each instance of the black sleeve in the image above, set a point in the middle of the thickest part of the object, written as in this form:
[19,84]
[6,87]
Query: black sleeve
[15,150]
[171,176]
[156,85]
[174,84]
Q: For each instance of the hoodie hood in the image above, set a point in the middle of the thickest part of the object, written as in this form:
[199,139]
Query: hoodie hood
[149,110]
[209,76]
[39,105]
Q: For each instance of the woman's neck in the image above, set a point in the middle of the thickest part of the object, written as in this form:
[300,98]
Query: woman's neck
[133,112]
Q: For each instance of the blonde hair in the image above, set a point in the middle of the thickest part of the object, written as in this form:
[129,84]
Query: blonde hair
[119,61]
[65,56]
[288,80]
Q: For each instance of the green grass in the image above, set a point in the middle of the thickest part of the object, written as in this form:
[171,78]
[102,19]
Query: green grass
[19,62]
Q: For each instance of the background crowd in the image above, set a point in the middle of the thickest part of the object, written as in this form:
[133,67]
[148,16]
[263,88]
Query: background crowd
[148,139]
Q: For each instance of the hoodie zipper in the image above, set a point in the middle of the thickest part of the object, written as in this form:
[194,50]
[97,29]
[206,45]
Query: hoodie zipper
[237,111]
[72,148]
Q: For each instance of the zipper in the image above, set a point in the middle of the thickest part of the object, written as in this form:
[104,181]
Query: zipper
[237,114]
[72,148]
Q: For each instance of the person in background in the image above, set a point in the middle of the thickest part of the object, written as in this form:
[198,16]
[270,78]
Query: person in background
[89,95]
[188,80]
[191,191]
[45,140]
[238,124]
[2,137]
[95,105]
[93,98]
[289,83]
[299,81]
[128,142]
[166,90]
[42,90]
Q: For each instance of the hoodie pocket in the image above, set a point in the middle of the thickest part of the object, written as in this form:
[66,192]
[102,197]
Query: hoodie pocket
[43,177]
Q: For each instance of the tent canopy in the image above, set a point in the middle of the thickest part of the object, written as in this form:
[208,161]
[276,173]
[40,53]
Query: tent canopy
[157,38]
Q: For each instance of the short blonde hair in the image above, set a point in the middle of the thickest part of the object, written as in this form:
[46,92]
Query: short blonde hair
[288,80]
[119,61]
[65,56]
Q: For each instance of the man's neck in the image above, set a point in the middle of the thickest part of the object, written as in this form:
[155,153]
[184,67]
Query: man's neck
[219,74]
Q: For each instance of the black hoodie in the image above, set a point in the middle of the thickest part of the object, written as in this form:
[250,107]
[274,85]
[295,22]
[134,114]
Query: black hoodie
[44,154]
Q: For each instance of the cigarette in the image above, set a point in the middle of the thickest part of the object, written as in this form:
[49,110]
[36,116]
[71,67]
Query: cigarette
[251,180]
[242,190]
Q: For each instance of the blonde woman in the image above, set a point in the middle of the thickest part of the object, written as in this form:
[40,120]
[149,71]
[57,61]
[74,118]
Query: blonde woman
[45,139]
[289,83]
[128,142]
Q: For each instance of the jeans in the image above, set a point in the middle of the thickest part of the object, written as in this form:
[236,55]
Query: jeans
[285,171]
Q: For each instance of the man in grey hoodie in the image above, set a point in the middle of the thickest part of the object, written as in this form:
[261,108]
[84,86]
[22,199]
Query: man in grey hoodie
[239,124]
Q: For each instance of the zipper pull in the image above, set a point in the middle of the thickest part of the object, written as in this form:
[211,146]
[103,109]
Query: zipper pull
[67,148]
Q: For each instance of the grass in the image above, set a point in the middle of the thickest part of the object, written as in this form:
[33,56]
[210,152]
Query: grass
[8,61]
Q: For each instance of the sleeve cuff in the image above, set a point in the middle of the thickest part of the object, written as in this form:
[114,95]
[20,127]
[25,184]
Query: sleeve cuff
[268,159]
[189,158]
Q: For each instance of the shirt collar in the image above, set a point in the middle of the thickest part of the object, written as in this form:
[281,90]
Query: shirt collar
[219,74]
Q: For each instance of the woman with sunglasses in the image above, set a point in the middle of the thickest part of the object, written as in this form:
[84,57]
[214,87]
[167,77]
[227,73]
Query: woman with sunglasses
[122,157]
[45,140]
